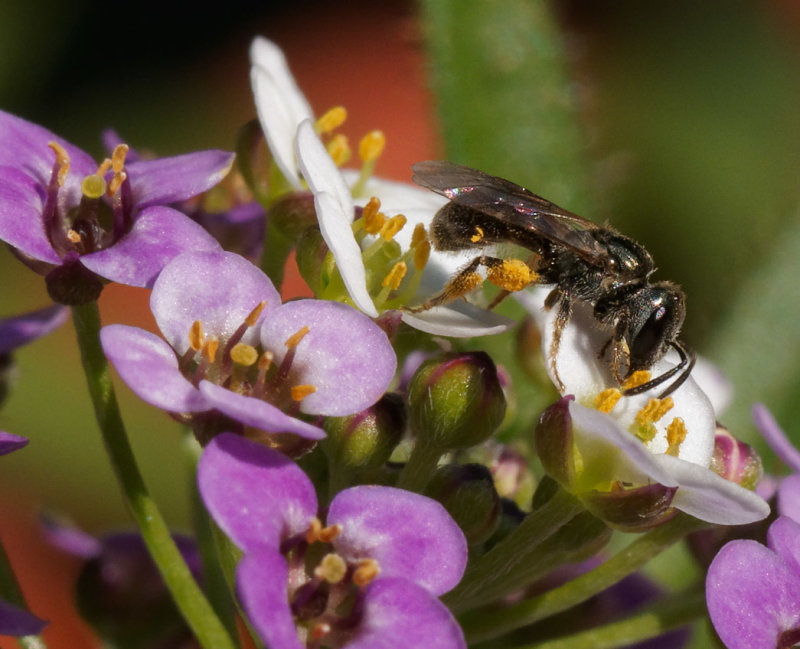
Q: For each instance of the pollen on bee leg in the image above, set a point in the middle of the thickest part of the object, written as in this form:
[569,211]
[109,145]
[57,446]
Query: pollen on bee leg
[300,392]
[639,377]
[510,274]
[244,354]
[371,146]
[294,340]
[676,433]
[607,399]
[475,238]
[331,120]
[62,160]
[367,570]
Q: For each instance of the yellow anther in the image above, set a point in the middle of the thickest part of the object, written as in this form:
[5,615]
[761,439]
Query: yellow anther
[314,528]
[607,399]
[421,254]
[118,158]
[676,433]
[62,159]
[374,219]
[210,348]
[332,568]
[392,227]
[367,570]
[395,276]
[115,183]
[371,146]
[252,317]
[372,207]
[419,235]
[478,234]
[196,337]
[511,275]
[294,340]
[300,392]
[266,360]
[244,354]
[639,377]
[323,534]
[73,236]
[331,120]
[339,149]
[103,167]
[93,186]
[654,410]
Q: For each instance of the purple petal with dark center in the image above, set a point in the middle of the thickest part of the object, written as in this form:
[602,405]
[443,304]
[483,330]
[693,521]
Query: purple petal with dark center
[22,329]
[149,367]
[789,497]
[256,495]
[23,145]
[21,224]
[752,596]
[398,614]
[775,437]
[10,442]
[18,622]
[219,289]
[344,355]
[410,535]
[783,538]
[261,581]
[158,235]
[254,412]
[174,179]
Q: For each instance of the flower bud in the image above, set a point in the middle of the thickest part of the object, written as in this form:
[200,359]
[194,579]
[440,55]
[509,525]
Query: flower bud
[735,460]
[365,441]
[312,260]
[73,284]
[455,400]
[554,446]
[468,494]
[293,214]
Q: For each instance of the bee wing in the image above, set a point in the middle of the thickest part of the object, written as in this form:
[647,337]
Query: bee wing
[511,203]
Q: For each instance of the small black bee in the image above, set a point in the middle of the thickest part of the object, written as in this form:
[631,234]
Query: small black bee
[584,261]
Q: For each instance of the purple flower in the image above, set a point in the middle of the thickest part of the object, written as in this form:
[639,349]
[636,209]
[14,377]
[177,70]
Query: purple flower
[390,554]
[788,488]
[22,329]
[753,591]
[59,209]
[231,346]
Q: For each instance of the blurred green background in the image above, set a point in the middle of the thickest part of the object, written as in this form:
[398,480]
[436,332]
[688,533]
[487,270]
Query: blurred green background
[688,141]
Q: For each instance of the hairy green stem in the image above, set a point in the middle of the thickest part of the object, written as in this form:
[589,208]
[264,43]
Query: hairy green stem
[420,466]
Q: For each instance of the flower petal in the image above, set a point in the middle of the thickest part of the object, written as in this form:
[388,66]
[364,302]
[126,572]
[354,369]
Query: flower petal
[319,169]
[177,178]
[783,538]
[256,413]
[10,442]
[149,367]
[220,289]
[22,329]
[459,320]
[261,581]
[775,437]
[256,495]
[410,535]
[18,622]
[789,497]
[345,355]
[398,614]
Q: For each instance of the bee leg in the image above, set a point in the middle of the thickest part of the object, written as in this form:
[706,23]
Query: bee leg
[683,369]
[620,353]
[466,280]
[562,318]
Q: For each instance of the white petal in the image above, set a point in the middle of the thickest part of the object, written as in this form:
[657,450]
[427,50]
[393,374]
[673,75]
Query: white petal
[268,56]
[319,169]
[460,320]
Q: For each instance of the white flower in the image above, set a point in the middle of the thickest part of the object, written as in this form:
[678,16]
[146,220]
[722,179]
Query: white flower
[639,441]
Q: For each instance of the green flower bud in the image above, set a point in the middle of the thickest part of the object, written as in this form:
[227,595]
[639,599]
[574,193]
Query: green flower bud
[468,494]
[293,214]
[455,400]
[313,260]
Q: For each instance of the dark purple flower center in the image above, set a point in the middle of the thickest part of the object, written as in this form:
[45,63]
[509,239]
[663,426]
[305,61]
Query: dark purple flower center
[104,213]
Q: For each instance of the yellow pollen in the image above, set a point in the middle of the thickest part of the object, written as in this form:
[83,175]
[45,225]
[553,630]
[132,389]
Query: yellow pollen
[196,336]
[367,570]
[392,227]
[73,236]
[115,183]
[320,630]
[421,254]
[339,149]
[252,318]
[395,276]
[676,433]
[607,399]
[300,392]
[372,207]
[478,234]
[654,410]
[331,120]
[323,534]
[374,219]
[243,354]
[294,340]
[511,275]
[371,146]
[103,167]
[419,235]
[639,377]
[62,158]
[210,348]
[332,568]
[118,157]
[93,186]
[266,360]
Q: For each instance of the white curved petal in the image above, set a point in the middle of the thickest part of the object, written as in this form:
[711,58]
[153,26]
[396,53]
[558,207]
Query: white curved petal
[269,57]
[458,320]
[319,169]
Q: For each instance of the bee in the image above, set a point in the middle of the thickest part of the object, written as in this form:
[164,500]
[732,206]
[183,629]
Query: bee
[585,262]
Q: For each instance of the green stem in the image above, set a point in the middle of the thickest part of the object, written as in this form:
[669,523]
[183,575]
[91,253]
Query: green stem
[670,613]
[420,466]
[12,593]
[492,624]
[176,574]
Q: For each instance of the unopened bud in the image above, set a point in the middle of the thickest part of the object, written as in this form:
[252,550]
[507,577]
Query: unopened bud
[311,254]
[293,214]
[735,460]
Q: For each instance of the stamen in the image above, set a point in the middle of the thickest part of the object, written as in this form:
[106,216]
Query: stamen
[419,236]
[252,318]
[332,568]
[62,160]
[395,276]
[244,354]
[300,392]
[374,219]
[654,410]
[118,158]
[196,336]
[93,186]
[103,167]
[210,348]
[339,149]
[371,146]
[73,236]
[265,362]
[115,183]
[510,275]
[294,340]
[639,377]
[323,534]
[331,120]
[676,433]
[392,227]
[607,399]
[478,234]
[367,570]
[421,254]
